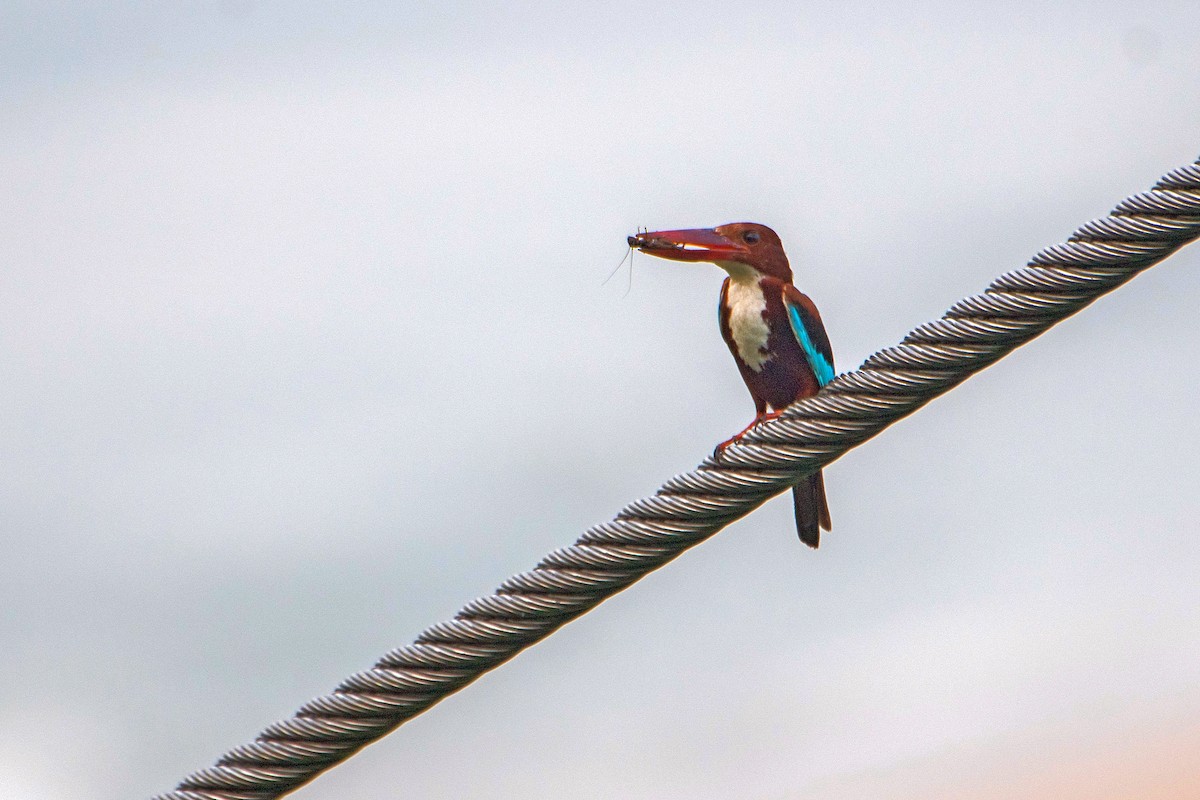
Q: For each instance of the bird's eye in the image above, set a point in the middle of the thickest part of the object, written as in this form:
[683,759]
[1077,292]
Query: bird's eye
[750,237]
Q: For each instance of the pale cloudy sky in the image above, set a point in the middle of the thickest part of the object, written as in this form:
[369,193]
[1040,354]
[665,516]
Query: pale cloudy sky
[305,345]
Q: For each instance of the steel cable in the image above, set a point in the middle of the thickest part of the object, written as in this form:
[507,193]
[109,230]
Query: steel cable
[1059,281]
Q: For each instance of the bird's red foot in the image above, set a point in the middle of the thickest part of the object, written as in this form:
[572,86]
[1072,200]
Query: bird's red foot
[737,437]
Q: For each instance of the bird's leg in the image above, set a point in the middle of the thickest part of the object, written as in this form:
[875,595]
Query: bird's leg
[762,416]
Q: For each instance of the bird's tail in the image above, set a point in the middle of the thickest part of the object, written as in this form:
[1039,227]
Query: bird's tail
[812,511]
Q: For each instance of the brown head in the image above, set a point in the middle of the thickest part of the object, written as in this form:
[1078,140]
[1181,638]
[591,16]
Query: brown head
[733,247]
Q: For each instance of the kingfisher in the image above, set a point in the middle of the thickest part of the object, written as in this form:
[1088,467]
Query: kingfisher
[773,330]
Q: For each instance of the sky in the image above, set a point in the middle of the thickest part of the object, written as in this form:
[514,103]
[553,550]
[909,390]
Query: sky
[307,342]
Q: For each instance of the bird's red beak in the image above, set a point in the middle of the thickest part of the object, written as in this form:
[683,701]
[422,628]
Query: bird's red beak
[697,244]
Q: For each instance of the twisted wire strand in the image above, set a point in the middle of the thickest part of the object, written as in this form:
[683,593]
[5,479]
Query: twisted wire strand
[1019,305]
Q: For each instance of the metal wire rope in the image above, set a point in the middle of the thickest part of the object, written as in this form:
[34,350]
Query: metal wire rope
[1059,281]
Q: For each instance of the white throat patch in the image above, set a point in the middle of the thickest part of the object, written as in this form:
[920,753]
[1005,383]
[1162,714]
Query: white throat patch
[750,331]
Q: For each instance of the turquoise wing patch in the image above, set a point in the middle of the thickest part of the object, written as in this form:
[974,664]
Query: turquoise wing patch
[816,359]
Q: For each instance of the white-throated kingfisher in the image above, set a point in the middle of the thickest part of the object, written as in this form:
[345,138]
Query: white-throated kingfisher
[773,330]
